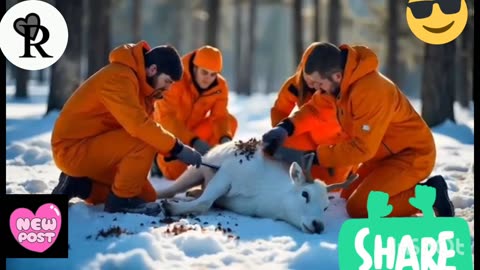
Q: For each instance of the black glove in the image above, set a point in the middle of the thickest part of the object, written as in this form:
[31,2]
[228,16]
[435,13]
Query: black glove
[201,146]
[186,154]
[190,156]
[225,139]
[273,139]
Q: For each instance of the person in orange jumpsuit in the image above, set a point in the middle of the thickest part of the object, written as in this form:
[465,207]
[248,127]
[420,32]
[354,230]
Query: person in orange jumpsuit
[195,109]
[390,140]
[296,91]
[105,138]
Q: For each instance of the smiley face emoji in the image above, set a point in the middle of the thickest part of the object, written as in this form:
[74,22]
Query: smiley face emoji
[437,21]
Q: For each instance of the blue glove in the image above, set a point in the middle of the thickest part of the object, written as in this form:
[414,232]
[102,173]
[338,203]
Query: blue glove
[273,139]
[225,139]
[201,146]
[190,156]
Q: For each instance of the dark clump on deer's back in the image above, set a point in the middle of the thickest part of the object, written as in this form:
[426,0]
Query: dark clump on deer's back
[247,148]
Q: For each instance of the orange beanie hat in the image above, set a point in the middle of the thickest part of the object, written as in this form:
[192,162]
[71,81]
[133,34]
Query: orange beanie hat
[208,57]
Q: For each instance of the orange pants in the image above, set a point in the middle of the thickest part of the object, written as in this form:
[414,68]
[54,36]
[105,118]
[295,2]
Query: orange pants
[307,142]
[114,161]
[395,175]
[204,130]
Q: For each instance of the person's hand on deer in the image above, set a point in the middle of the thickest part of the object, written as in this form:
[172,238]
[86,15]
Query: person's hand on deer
[187,155]
[225,139]
[273,145]
[273,139]
[201,146]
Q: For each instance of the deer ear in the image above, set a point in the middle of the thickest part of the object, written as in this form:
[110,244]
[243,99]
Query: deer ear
[296,173]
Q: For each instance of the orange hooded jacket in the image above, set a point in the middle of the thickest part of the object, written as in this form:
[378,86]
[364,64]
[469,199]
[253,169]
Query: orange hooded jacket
[113,98]
[375,114]
[183,108]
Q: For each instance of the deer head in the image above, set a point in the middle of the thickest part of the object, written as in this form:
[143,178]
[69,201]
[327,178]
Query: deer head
[309,201]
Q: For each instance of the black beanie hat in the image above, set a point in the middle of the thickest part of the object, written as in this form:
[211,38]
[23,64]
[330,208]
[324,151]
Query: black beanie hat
[167,60]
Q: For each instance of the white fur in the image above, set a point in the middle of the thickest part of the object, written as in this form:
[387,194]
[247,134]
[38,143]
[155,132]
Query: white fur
[259,187]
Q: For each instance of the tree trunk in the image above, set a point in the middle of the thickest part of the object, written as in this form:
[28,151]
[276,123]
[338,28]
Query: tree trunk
[137,20]
[65,73]
[21,83]
[238,39]
[438,83]
[272,61]
[317,34]
[197,25]
[465,65]
[99,34]
[179,19]
[252,25]
[392,34]
[297,30]
[41,75]
[248,72]
[213,9]
[334,19]
[21,75]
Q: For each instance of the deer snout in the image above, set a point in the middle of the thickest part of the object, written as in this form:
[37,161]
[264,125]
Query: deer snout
[318,226]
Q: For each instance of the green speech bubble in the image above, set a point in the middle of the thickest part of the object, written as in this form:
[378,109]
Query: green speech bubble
[413,243]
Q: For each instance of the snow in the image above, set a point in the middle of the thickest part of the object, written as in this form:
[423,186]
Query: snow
[217,239]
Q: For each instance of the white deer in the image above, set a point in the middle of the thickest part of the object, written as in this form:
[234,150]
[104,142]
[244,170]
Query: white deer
[254,184]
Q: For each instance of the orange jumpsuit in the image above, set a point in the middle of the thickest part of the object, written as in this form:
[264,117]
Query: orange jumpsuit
[295,92]
[188,114]
[390,139]
[106,131]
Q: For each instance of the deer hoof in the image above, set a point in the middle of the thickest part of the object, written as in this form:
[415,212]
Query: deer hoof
[166,208]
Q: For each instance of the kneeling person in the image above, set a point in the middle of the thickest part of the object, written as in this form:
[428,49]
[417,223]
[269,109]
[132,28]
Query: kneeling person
[195,109]
[105,138]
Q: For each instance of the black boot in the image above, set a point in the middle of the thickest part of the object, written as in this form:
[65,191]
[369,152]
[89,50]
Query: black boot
[73,186]
[443,204]
[115,204]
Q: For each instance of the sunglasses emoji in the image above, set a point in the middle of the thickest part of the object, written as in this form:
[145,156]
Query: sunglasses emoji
[437,21]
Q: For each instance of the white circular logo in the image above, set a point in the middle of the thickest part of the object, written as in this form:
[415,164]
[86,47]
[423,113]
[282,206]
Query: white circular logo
[34,35]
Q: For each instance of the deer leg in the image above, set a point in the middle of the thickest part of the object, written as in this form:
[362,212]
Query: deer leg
[216,187]
[190,178]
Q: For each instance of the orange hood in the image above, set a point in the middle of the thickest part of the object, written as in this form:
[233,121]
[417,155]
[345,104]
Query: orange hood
[132,55]
[360,62]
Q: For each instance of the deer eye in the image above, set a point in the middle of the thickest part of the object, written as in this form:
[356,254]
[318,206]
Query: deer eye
[325,209]
[306,196]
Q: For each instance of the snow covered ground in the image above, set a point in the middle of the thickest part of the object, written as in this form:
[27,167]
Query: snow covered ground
[217,240]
